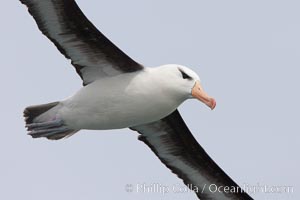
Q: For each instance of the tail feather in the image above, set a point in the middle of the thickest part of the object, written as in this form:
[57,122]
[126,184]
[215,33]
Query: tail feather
[31,112]
[42,121]
[44,125]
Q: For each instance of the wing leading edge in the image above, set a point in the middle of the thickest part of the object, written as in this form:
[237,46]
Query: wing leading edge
[91,53]
[173,143]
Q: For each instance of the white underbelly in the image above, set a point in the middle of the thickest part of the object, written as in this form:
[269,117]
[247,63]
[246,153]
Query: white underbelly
[114,109]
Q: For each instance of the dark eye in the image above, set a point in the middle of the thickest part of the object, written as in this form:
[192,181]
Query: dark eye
[184,75]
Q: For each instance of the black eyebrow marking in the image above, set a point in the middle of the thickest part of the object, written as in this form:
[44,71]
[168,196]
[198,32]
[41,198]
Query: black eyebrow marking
[184,75]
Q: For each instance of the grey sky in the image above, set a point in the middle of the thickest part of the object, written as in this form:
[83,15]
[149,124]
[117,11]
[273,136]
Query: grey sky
[247,54]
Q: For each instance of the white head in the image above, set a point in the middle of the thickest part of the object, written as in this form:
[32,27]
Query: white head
[183,83]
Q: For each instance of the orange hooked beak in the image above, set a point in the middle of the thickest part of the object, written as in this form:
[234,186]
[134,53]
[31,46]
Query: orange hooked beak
[201,95]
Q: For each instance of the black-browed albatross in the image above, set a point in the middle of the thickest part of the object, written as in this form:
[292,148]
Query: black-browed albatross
[118,93]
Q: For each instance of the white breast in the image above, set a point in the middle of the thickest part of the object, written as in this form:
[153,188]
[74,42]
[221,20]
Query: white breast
[118,102]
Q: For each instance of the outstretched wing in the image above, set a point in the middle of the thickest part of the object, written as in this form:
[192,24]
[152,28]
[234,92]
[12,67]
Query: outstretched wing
[173,143]
[91,53]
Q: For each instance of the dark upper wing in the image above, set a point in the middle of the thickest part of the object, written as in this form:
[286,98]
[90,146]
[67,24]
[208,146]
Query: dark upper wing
[92,54]
[175,146]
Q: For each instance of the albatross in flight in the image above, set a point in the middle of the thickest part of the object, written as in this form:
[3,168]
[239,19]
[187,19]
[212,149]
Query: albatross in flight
[119,93]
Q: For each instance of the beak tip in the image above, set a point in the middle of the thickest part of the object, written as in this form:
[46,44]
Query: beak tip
[213,104]
[199,94]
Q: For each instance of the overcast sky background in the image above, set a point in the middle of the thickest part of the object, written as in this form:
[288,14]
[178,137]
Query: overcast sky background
[247,54]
